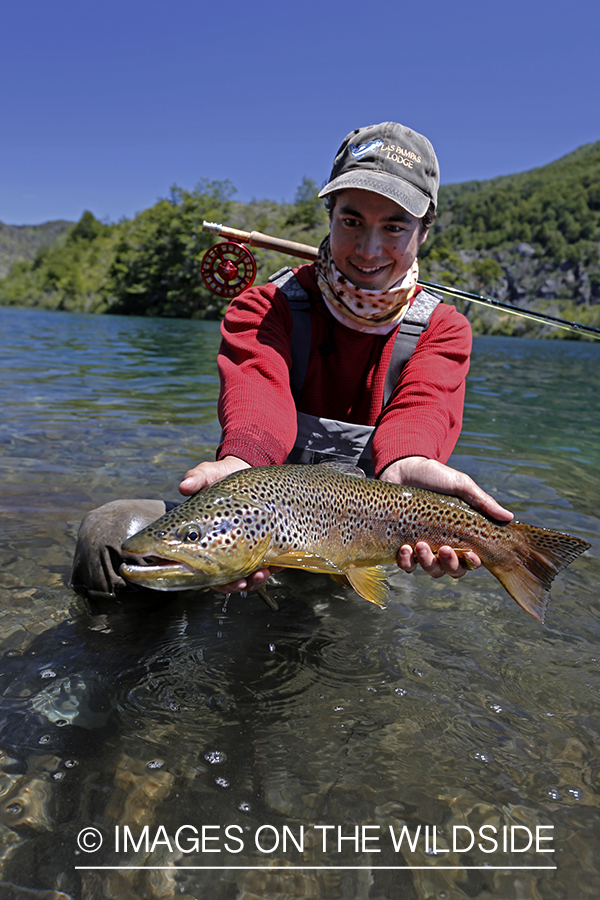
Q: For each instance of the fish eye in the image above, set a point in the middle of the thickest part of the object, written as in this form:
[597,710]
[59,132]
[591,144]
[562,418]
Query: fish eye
[192,536]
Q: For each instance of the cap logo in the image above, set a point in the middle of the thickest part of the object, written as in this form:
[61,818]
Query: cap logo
[400,155]
[363,149]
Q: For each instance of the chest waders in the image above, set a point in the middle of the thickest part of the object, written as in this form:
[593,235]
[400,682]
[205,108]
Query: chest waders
[319,439]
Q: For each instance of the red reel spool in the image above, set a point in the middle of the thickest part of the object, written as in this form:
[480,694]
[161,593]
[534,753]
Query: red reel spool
[228,268]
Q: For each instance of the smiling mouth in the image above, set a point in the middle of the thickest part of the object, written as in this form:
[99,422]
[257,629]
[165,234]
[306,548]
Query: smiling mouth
[369,270]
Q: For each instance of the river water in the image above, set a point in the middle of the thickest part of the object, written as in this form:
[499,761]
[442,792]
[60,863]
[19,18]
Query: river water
[223,750]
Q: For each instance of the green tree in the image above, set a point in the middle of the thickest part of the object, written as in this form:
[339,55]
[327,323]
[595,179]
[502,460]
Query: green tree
[156,266]
[308,211]
[68,274]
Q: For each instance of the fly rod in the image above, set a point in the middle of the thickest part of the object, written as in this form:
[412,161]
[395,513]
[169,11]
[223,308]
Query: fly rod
[225,263]
[264,241]
[515,310]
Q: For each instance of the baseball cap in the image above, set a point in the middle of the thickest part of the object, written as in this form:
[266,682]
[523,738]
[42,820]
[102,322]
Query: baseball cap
[388,159]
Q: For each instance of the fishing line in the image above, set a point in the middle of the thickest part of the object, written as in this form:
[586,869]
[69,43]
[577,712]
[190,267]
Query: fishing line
[515,310]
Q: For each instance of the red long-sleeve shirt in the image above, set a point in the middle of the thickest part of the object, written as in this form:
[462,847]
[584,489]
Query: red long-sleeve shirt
[256,408]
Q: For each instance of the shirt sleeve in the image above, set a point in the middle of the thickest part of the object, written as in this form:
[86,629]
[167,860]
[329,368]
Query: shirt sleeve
[256,408]
[424,416]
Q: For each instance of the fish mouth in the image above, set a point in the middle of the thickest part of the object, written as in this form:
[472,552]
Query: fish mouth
[165,574]
[199,564]
[152,562]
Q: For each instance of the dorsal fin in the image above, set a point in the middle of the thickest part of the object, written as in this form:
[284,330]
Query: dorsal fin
[343,468]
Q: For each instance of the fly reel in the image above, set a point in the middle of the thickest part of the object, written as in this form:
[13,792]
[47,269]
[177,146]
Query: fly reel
[228,268]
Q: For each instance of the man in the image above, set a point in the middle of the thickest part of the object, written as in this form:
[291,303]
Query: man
[345,358]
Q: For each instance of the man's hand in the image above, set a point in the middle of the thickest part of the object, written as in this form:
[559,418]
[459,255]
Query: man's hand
[206,473]
[249,583]
[420,472]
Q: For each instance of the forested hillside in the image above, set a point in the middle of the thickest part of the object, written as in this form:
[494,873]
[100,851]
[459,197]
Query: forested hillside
[22,242]
[531,239]
[150,265]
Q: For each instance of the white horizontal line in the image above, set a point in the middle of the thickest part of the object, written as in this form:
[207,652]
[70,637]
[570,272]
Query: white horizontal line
[314,868]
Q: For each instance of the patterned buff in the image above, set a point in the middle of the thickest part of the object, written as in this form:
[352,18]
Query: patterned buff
[376,312]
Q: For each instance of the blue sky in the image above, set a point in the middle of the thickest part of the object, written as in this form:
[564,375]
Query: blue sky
[105,105]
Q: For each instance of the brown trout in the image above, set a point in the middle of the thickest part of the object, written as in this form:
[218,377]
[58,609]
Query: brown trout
[330,518]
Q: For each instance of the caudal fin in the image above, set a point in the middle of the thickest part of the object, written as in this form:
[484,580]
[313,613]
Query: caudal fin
[539,556]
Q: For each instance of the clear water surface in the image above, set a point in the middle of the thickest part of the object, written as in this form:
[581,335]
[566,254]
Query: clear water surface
[330,723]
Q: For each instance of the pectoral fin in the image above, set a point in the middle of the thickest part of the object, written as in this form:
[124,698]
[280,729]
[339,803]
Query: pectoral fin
[258,557]
[369,583]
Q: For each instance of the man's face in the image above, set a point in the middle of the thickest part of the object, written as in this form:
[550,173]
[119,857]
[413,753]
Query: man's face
[374,242]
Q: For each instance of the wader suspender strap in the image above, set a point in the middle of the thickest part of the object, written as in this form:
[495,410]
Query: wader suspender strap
[299,304]
[411,328]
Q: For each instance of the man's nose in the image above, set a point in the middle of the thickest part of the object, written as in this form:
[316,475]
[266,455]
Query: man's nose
[369,245]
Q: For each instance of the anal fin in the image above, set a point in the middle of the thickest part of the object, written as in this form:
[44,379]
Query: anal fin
[369,582]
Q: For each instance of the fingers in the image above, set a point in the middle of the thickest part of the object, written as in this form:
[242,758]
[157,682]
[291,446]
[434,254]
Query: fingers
[454,563]
[406,559]
[418,471]
[207,473]
[445,562]
[193,481]
[250,583]
[484,503]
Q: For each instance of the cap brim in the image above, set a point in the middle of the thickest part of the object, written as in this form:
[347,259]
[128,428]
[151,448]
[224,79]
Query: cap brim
[405,195]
